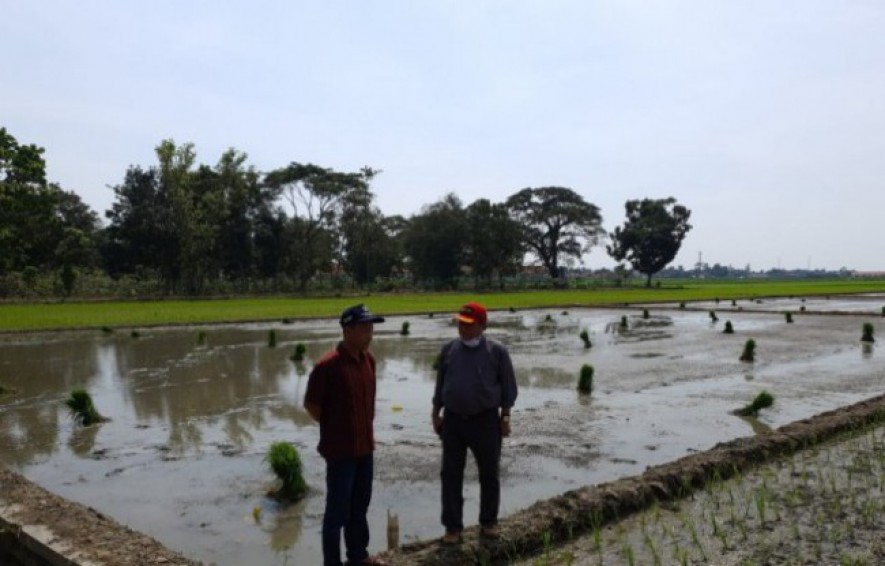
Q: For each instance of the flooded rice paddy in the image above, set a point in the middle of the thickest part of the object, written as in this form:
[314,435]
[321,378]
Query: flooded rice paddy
[183,457]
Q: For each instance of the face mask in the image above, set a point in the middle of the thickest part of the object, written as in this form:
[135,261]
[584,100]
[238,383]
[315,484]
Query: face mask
[472,343]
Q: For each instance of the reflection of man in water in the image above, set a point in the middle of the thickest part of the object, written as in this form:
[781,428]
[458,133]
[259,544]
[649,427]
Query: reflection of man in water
[341,397]
[476,386]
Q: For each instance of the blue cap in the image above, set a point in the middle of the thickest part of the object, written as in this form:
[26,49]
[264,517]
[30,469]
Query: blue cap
[358,314]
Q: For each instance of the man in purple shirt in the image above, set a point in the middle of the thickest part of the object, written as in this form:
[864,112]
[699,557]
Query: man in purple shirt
[475,391]
[341,397]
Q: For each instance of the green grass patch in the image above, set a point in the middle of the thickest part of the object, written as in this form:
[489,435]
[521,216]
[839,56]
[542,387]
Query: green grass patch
[585,379]
[82,409]
[585,338]
[762,401]
[749,353]
[285,462]
[116,314]
[298,353]
[867,335]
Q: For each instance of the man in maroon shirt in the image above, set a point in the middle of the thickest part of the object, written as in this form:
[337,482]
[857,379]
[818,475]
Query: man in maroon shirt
[341,397]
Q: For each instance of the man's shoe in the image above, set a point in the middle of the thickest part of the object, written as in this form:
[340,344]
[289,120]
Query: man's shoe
[490,531]
[452,537]
[368,561]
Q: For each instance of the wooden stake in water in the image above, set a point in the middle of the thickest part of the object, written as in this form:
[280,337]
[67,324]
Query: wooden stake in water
[392,530]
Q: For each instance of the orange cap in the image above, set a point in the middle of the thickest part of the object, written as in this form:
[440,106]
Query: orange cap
[472,313]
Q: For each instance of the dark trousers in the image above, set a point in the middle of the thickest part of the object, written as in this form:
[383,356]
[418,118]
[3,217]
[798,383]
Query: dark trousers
[348,493]
[482,435]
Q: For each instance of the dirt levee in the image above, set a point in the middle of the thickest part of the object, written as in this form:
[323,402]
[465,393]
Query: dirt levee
[39,527]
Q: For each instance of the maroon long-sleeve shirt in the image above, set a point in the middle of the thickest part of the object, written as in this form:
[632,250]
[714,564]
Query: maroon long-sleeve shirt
[343,386]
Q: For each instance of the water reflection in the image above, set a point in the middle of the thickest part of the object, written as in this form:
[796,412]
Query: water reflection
[82,440]
[161,378]
[214,385]
[28,432]
[286,529]
[546,378]
[759,427]
[184,435]
[192,421]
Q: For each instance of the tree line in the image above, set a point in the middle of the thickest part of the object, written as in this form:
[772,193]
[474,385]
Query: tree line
[179,227]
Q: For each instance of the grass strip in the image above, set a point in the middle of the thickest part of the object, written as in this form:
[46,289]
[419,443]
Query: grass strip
[114,314]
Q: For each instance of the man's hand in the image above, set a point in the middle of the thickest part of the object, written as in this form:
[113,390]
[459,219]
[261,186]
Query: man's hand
[505,426]
[437,421]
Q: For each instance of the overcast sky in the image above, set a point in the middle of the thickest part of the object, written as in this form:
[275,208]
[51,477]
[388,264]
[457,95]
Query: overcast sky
[765,118]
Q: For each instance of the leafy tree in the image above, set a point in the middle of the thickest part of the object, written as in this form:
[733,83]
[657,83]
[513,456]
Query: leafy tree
[558,223]
[21,163]
[137,235]
[270,241]
[434,242]
[192,219]
[41,225]
[26,203]
[241,200]
[494,241]
[651,236]
[189,224]
[77,230]
[316,196]
[371,246]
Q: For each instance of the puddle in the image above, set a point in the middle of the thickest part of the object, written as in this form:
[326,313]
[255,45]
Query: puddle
[183,456]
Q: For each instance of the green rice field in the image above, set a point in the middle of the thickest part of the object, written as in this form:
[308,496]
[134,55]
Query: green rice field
[16,316]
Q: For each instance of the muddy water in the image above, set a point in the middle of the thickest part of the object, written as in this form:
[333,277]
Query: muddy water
[182,458]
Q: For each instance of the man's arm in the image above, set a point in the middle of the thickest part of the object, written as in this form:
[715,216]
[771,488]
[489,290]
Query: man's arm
[507,377]
[316,392]
[509,390]
[315,411]
[435,414]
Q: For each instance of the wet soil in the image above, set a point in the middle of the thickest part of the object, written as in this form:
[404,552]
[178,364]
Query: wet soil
[71,531]
[824,505]
[810,492]
[183,458]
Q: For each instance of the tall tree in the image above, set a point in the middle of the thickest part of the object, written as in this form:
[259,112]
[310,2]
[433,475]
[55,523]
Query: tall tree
[41,225]
[494,243]
[138,235]
[21,163]
[316,196]
[270,241]
[26,203]
[78,227]
[651,236]
[434,242]
[193,217]
[241,199]
[558,224]
[371,246]
[169,218]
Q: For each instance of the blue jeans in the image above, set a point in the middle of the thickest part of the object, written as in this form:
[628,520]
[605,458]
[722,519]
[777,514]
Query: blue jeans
[348,493]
